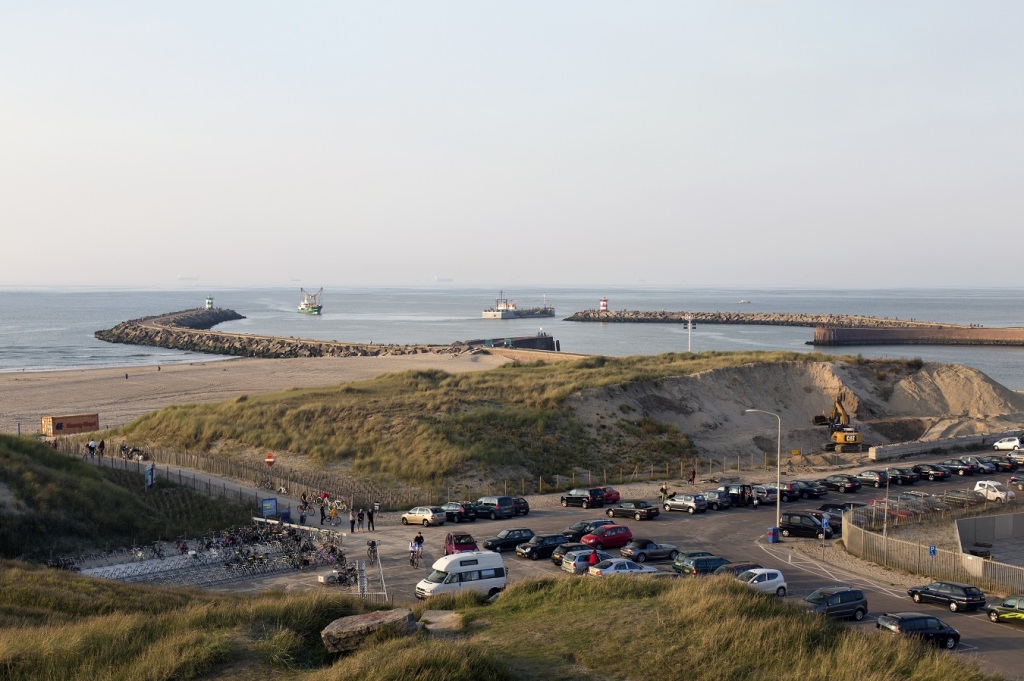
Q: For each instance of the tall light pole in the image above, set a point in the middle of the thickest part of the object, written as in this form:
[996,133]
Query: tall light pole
[778,466]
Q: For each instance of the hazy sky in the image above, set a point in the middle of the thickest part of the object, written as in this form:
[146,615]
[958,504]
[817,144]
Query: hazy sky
[717,143]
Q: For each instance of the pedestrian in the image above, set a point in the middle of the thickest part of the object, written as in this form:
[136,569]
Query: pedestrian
[352,519]
[359,520]
[158,368]
[92,448]
[664,491]
[323,514]
[369,519]
[102,448]
[126,377]
[302,514]
[593,559]
[693,475]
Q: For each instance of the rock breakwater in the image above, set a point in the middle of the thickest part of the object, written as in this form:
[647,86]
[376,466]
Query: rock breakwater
[755,318]
[189,330]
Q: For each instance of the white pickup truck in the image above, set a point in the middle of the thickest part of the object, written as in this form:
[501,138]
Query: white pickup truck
[993,491]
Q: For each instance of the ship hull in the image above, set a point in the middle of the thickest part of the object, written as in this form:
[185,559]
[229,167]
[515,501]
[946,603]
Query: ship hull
[525,313]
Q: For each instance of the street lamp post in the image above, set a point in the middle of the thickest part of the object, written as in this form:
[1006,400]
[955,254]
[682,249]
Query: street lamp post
[778,466]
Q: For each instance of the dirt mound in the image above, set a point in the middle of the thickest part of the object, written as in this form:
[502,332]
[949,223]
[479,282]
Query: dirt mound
[907,401]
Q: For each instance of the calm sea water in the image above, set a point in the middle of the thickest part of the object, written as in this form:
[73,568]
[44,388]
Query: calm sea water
[53,329]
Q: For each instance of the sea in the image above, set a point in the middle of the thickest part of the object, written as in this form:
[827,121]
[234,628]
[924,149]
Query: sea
[52,329]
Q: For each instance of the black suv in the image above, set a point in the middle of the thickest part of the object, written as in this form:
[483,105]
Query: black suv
[585,497]
[576,531]
[838,602]
[494,507]
[874,478]
[459,511]
[925,627]
[802,525]
[842,483]
[954,595]
[540,546]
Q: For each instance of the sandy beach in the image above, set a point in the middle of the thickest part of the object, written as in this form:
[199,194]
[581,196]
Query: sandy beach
[27,396]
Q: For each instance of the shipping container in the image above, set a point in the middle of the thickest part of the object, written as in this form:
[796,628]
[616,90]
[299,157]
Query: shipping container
[69,425]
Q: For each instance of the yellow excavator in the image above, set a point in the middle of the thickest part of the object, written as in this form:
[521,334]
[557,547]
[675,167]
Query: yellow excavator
[842,436]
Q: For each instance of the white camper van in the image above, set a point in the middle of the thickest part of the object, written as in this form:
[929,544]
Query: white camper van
[481,571]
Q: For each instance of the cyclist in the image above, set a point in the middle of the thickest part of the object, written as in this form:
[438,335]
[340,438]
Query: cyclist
[414,553]
[418,540]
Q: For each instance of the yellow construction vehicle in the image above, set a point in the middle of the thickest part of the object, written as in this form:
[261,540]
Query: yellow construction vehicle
[842,436]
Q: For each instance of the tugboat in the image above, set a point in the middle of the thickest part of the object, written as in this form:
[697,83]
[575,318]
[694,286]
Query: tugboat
[310,302]
[506,309]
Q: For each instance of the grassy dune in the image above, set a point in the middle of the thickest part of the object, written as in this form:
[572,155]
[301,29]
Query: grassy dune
[54,625]
[428,424]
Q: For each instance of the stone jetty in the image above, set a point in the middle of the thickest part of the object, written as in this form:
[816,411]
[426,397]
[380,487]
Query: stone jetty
[189,330]
[755,318]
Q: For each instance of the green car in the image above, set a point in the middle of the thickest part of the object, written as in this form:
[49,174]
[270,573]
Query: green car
[1010,609]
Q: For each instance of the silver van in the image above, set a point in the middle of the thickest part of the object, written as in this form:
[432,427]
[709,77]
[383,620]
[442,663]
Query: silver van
[838,602]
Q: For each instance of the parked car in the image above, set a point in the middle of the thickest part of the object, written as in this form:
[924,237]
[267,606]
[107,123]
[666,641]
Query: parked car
[457,542]
[540,546]
[577,562]
[842,483]
[765,495]
[611,495]
[424,515]
[1016,481]
[994,491]
[683,555]
[892,507]
[684,501]
[796,524]
[509,538]
[642,550]
[790,491]
[459,511]
[584,497]
[637,509]
[765,580]
[560,552]
[733,569]
[982,465]
[903,476]
[835,520]
[931,471]
[619,566]
[576,531]
[1011,608]
[1008,443]
[716,499]
[841,507]
[963,497]
[698,565]
[928,502]
[739,494]
[1005,464]
[810,489]
[494,507]
[925,627]
[954,595]
[520,506]
[958,467]
[608,537]
[838,602]
[873,478]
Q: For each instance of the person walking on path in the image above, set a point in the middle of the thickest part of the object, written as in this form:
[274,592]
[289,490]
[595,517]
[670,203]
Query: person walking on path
[352,520]
[323,513]
[693,475]
[369,519]
[359,520]
[664,491]
[102,448]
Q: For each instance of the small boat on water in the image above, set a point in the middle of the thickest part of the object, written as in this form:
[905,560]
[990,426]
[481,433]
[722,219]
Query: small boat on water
[507,309]
[744,301]
[310,302]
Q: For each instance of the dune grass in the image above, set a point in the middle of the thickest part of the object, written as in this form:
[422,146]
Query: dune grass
[63,505]
[424,425]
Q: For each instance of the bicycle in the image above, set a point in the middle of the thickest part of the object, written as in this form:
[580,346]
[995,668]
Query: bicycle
[371,550]
[414,558]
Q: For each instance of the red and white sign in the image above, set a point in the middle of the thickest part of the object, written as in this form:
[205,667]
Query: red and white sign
[269,459]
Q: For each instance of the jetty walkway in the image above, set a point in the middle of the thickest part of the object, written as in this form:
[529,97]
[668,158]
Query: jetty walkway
[755,318]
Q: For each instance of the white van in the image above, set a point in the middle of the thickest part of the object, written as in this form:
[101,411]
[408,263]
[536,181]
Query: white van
[481,571]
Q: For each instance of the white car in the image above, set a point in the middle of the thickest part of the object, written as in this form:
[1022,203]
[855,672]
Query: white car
[577,562]
[993,491]
[1008,443]
[619,566]
[765,580]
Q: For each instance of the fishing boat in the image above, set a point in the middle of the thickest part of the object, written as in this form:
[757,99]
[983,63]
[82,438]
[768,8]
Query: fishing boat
[310,302]
[507,309]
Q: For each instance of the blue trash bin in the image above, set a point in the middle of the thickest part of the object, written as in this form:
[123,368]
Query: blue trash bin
[285,516]
[773,535]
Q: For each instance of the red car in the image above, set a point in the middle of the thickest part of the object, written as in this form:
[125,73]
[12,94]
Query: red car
[457,542]
[608,537]
[611,495]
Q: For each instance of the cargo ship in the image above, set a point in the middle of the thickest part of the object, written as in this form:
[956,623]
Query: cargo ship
[506,309]
[310,302]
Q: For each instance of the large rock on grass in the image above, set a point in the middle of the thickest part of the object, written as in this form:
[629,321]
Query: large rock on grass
[348,633]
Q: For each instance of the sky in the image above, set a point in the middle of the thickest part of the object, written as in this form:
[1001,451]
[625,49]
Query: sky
[761,143]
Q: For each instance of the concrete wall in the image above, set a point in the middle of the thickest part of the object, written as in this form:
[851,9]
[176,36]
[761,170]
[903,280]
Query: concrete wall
[948,335]
[904,449]
[990,529]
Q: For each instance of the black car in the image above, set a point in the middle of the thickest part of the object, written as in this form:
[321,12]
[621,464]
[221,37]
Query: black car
[958,467]
[507,539]
[810,490]
[902,476]
[790,491]
[802,525]
[1003,464]
[927,628]
[459,512]
[841,507]
[540,546]
[576,531]
[637,509]
[739,494]
[584,497]
[873,478]
[733,569]
[842,483]
[562,549]
[931,471]
[700,565]
[520,506]
[954,595]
